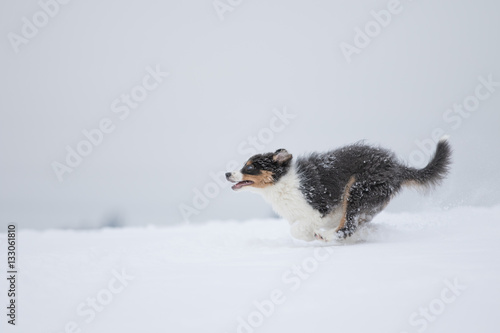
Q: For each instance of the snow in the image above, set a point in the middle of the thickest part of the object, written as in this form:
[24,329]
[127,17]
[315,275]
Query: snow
[207,278]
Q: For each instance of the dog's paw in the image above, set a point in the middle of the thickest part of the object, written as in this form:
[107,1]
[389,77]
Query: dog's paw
[318,236]
[324,235]
[344,233]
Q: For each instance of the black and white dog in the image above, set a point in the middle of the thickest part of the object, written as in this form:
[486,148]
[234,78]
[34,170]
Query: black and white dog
[327,195]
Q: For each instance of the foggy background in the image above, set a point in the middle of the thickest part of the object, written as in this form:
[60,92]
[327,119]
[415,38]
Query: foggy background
[227,79]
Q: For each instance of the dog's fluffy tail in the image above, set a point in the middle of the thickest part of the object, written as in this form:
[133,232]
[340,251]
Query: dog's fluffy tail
[435,171]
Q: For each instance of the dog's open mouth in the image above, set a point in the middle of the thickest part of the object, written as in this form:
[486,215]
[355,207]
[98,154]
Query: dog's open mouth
[241,184]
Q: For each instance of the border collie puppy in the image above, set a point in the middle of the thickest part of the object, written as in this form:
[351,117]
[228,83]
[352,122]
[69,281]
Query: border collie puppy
[327,195]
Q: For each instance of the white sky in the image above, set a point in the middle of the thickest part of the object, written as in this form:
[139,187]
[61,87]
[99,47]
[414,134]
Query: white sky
[226,77]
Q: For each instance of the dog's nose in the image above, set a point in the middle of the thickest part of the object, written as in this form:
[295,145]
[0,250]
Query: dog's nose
[228,174]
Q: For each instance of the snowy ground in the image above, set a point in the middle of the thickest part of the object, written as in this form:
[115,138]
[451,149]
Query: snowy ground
[432,272]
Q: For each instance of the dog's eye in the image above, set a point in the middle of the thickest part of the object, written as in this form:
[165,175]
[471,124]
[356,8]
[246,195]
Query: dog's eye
[250,167]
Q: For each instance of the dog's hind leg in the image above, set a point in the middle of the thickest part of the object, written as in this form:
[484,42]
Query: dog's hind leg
[345,222]
[348,221]
[363,198]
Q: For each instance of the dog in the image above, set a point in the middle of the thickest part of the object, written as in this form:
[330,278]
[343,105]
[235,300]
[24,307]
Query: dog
[326,196]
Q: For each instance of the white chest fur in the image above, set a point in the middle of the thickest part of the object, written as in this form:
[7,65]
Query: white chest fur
[288,201]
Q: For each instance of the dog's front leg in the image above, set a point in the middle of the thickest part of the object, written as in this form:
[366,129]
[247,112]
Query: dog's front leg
[302,230]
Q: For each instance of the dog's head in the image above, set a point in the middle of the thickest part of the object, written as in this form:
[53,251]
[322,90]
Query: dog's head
[261,170]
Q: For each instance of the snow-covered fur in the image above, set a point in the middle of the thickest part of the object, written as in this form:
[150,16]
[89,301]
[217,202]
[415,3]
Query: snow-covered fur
[327,195]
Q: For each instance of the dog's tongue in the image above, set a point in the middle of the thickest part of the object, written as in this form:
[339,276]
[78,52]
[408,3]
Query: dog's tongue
[237,185]
[240,184]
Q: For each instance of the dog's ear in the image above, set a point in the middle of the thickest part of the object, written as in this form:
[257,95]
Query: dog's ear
[281,156]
